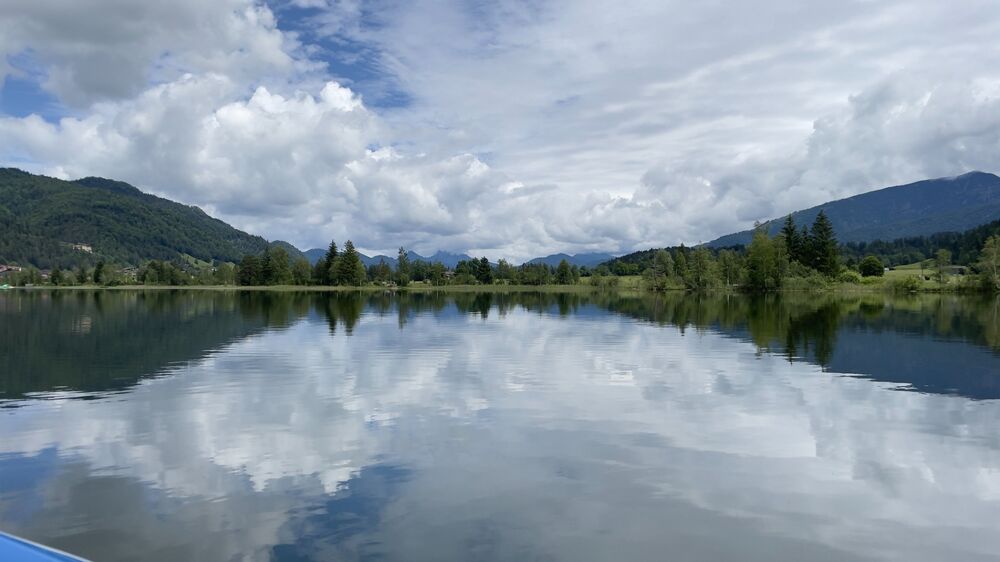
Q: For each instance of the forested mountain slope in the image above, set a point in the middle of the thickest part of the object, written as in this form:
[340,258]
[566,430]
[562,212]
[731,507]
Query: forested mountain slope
[916,209]
[43,218]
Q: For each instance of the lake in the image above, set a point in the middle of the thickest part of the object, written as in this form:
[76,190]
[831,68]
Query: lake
[201,425]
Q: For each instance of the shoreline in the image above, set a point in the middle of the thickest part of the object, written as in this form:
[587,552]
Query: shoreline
[579,289]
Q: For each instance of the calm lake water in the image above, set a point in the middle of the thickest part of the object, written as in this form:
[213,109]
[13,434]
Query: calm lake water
[172,426]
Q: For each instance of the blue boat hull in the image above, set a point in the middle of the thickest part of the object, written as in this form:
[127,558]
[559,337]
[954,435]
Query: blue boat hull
[13,549]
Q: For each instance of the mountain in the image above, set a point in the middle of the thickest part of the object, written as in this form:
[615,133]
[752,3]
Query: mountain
[448,259]
[916,209]
[294,254]
[588,260]
[47,222]
[314,255]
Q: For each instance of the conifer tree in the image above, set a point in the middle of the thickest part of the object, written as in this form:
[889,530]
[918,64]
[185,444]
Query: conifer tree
[99,272]
[823,243]
[402,268]
[324,267]
[347,268]
[792,239]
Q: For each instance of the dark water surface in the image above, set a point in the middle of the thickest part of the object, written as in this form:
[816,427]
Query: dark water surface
[171,426]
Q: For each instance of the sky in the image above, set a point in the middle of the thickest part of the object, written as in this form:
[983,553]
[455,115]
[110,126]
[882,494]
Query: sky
[505,128]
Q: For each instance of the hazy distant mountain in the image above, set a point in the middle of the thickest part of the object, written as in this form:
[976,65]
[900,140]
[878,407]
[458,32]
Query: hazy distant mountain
[448,259]
[922,208]
[45,221]
[374,260]
[294,253]
[314,254]
[451,260]
[589,260]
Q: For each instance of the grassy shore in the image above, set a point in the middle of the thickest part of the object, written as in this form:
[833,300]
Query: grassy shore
[624,284]
[415,287]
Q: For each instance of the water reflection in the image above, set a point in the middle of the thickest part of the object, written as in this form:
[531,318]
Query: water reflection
[92,341]
[502,427]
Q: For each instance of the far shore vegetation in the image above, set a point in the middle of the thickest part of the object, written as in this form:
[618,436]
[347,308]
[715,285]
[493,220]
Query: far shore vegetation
[798,258]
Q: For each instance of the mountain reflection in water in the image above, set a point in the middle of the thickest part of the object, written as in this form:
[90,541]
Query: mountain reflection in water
[203,425]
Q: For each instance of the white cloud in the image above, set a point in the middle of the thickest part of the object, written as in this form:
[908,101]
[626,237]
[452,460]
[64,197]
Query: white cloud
[299,164]
[112,49]
[656,123]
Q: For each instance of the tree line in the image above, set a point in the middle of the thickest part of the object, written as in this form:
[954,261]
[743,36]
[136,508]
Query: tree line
[964,247]
[343,267]
[797,258]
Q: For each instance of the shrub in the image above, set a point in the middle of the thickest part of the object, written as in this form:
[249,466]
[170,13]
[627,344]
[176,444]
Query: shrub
[848,276]
[909,284]
[811,282]
[604,281]
[871,266]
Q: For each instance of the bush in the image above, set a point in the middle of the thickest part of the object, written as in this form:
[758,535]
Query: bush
[909,284]
[604,281]
[811,282]
[848,276]
[871,266]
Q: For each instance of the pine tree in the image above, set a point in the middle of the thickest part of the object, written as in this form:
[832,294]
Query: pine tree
[825,252]
[347,268]
[402,268]
[792,239]
[324,267]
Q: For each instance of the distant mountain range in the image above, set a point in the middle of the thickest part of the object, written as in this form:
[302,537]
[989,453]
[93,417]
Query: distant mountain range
[916,209]
[447,258]
[451,260]
[45,222]
[588,260]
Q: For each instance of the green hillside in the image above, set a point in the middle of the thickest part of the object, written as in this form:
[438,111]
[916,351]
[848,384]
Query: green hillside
[916,209]
[42,218]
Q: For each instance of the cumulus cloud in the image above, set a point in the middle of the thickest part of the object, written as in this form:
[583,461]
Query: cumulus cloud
[531,127]
[112,49]
[270,163]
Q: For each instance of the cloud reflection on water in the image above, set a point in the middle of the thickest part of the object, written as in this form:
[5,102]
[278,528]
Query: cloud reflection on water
[522,435]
